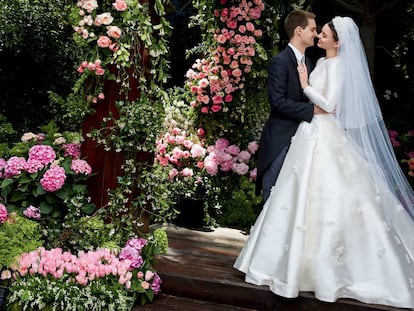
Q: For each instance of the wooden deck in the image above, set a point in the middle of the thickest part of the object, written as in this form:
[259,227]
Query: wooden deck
[198,275]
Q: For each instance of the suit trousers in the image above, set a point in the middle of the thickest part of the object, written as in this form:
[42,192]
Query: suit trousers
[271,174]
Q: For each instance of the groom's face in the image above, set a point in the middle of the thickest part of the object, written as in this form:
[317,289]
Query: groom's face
[309,33]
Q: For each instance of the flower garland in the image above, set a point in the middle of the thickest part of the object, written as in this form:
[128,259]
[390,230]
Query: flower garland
[213,80]
[115,34]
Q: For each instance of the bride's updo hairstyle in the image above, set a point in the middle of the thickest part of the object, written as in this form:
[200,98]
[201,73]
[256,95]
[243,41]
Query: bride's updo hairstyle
[332,28]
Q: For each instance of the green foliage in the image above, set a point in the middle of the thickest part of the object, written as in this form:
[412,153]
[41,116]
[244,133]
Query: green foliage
[18,235]
[67,203]
[91,232]
[6,134]
[37,56]
[161,240]
[240,203]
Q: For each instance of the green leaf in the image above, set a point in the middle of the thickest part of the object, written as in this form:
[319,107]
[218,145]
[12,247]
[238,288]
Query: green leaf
[45,208]
[88,208]
[39,190]
[62,194]
[18,196]
[6,182]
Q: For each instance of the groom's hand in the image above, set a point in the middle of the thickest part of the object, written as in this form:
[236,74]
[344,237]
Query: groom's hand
[318,110]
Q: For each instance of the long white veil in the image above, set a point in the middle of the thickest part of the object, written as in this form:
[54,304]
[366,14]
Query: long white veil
[359,113]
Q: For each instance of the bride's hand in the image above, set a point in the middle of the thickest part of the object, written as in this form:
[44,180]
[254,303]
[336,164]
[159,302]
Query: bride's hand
[303,75]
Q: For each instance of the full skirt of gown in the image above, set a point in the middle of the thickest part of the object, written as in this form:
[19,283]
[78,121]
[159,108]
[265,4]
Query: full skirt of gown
[323,228]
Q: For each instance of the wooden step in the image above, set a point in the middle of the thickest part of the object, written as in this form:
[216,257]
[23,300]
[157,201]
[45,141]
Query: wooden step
[199,266]
[165,302]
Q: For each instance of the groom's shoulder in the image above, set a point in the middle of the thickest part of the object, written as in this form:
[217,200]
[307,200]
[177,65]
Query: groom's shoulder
[285,53]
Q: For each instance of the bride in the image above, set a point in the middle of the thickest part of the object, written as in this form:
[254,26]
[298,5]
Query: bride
[339,220]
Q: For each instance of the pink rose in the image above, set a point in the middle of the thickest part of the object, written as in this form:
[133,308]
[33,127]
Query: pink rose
[104,42]
[114,32]
[120,5]
[103,19]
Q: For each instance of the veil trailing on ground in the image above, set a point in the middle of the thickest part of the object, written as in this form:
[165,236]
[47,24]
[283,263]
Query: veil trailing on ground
[359,113]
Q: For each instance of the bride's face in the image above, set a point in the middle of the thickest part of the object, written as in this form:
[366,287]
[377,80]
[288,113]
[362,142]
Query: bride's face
[326,40]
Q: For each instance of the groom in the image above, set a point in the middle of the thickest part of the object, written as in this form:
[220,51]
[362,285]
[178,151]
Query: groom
[288,104]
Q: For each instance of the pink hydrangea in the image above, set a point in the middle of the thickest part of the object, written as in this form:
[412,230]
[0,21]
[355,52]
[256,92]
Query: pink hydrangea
[81,167]
[3,213]
[53,179]
[32,212]
[33,166]
[156,283]
[43,153]
[14,166]
[132,252]
[72,150]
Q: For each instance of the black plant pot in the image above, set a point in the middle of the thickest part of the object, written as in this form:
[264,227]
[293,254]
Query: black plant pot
[4,291]
[191,213]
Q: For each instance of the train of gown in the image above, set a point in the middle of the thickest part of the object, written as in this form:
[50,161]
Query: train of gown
[323,228]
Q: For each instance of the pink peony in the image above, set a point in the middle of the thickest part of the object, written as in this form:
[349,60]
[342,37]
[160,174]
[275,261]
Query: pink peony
[187,172]
[197,151]
[210,166]
[240,168]
[222,143]
[253,174]
[53,179]
[252,147]
[233,150]
[244,156]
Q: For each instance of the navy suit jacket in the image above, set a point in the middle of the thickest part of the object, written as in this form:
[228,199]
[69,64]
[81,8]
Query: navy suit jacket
[288,107]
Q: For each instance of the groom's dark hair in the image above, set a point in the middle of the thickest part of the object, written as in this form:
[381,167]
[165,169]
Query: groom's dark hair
[297,18]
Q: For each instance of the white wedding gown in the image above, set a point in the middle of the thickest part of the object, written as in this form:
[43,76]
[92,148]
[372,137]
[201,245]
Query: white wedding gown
[322,228]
